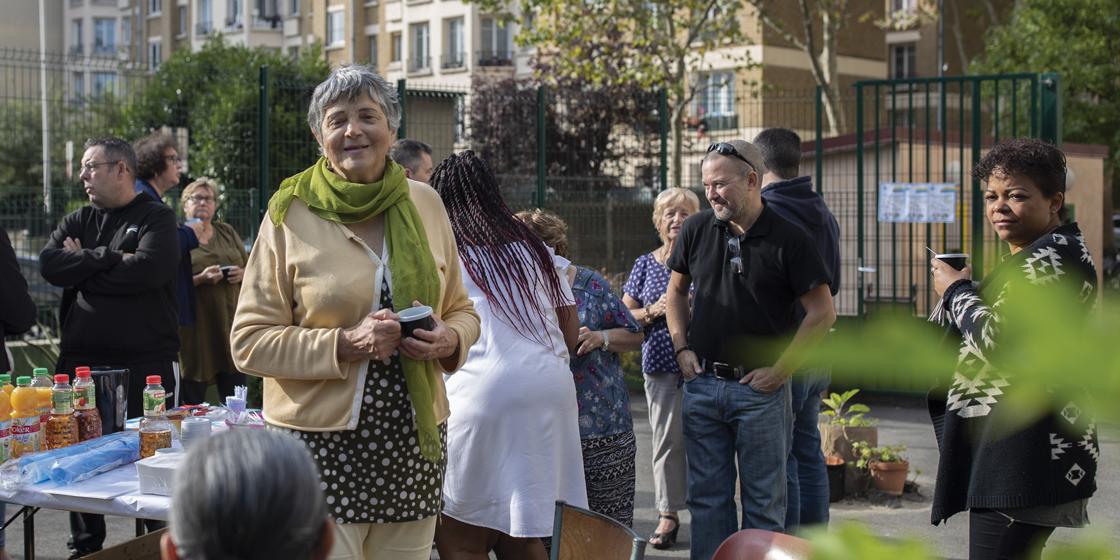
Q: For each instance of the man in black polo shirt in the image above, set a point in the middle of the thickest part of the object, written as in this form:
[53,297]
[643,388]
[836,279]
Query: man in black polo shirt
[740,343]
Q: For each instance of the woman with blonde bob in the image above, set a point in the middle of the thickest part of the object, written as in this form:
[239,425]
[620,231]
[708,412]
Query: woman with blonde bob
[644,294]
[217,266]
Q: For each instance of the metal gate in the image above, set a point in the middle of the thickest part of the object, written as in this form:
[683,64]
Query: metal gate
[933,131]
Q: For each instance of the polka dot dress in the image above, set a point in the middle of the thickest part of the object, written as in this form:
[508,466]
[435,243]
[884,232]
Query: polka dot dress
[376,473]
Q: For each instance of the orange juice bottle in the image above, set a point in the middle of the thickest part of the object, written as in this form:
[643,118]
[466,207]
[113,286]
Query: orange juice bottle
[6,383]
[25,418]
[5,426]
[43,385]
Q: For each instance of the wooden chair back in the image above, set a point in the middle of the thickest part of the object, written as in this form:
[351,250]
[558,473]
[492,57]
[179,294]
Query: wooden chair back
[581,534]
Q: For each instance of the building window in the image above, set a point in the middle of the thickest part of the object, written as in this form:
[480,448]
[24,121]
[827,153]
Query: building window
[155,55]
[336,29]
[494,43]
[183,21]
[373,50]
[293,7]
[395,47]
[902,6]
[104,36]
[76,37]
[419,58]
[903,60]
[79,85]
[453,39]
[714,105]
[126,31]
[104,83]
[460,118]
[236,8]
[203,18]
[155,7]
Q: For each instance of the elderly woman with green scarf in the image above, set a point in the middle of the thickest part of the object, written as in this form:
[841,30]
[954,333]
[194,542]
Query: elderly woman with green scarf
[345,242]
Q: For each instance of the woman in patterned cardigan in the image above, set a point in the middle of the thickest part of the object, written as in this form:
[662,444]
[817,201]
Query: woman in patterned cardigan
[1017,486]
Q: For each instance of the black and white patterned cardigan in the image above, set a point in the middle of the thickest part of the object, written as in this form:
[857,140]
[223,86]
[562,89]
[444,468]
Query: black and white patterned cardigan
[1053,460]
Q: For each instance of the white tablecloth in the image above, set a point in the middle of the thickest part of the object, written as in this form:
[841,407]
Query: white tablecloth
[116,492]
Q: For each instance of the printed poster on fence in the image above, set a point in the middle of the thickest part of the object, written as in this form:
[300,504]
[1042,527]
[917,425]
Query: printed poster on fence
[917,202]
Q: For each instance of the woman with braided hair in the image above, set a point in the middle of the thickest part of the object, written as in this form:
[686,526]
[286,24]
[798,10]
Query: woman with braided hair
[513,444]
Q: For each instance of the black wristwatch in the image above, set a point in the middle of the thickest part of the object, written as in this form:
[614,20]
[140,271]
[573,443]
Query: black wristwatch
[677,354]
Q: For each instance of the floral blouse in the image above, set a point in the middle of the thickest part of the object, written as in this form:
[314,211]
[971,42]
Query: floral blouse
[648,281]
[604,401]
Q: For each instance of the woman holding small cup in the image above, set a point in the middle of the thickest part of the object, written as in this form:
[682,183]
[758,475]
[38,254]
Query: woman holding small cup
[1017,486]
[204,352]
[344,243]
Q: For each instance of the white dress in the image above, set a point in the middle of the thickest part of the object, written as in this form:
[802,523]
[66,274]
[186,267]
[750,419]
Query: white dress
[513,444]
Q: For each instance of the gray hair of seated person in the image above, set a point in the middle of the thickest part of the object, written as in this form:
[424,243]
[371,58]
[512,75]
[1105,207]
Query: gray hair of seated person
[248,494]
[346,83]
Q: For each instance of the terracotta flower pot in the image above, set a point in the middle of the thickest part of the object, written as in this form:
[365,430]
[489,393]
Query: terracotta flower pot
[890,477]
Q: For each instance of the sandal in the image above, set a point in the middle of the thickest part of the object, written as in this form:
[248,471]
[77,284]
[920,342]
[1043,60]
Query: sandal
[666,540]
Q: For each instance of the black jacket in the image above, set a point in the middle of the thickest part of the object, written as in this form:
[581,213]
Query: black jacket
[17,311]
[796,201]
[119,298]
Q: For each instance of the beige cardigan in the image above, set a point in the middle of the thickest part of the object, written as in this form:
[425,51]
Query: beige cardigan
[306,281]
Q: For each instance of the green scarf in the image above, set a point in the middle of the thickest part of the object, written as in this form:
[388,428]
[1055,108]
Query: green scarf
[411,263]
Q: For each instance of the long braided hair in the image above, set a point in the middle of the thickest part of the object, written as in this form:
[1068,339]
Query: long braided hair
[502,255]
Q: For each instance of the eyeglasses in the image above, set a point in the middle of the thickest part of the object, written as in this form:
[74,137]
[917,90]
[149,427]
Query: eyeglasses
[736,253]
[173,159]
[725,149]
[199,199]
[89,166]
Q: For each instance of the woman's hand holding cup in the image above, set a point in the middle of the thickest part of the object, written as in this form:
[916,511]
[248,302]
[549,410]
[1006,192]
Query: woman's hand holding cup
[436,343]
[376,337]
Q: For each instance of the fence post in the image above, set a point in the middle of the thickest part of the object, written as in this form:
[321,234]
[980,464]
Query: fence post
[818,159]
[860,217]
[541,161]
[663,128]
[1051,110]
[977,209]
[263,141]
[402,94]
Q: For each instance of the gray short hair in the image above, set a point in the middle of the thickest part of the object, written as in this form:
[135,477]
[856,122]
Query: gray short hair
[248,494]
[348,82]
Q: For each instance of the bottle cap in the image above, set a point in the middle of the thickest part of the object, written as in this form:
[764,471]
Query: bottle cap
[5,378]
[23,381]
[154,380]
[61,378]
[40,371]
[81,371]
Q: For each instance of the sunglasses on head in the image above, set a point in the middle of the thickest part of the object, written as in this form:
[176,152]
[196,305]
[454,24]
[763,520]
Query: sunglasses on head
[726,149]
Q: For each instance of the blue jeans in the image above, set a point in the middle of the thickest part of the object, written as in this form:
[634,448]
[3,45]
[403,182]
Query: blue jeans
[806,474]
[725,422]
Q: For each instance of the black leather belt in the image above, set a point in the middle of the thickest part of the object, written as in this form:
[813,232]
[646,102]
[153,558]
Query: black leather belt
[724,371]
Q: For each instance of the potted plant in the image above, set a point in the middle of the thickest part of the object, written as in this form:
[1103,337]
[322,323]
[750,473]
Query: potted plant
[846,422]
[887,465]
[836,466]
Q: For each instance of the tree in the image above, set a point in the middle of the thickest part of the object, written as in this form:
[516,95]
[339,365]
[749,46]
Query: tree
[643,43]
[817,25]
[214,93]
[1078,39]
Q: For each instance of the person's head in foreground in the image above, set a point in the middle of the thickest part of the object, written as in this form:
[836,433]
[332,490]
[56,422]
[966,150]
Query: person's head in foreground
[248,495]
[1024,189]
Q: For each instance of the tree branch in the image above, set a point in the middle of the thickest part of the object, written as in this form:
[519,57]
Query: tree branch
[775,26]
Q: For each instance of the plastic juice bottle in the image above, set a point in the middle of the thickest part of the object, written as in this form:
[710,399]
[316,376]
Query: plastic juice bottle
[62,427]
[42,384]
[5,427]
[25,418]
[155,429]
[85,405]
[6,383]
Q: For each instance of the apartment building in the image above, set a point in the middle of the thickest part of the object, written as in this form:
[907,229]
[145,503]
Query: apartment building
[92,39]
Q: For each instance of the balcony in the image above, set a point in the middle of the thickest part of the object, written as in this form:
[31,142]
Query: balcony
[76,50]
[234,25]
[453,61]
[494,58]
[100,49]
[418,65]
[203,28]
[273,22]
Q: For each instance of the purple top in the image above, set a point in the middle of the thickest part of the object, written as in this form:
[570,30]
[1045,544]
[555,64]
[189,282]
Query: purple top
[648,281]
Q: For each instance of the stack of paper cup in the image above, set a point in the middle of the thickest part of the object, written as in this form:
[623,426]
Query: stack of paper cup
[195,429]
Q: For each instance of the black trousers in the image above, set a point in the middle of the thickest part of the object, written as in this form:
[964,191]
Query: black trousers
[194,392]
[992,536]
[87,530]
